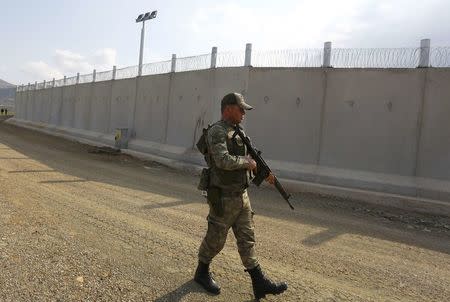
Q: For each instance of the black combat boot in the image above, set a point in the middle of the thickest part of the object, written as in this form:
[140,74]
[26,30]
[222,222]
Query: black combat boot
[263,285]
[205,279]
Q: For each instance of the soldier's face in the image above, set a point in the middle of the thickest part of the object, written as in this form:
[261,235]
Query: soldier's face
[237,114]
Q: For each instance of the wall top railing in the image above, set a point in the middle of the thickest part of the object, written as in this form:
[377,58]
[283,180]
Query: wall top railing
[328,57]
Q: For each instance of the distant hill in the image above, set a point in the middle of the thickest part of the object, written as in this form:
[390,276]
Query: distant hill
[4,84]
[7,93]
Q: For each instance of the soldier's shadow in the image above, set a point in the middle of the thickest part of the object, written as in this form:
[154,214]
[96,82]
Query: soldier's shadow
[177,294]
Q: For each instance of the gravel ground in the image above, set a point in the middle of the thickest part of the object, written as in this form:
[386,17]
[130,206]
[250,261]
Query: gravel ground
[77,225]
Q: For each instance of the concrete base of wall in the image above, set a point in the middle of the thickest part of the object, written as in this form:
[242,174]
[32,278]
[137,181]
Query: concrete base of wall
[393,190]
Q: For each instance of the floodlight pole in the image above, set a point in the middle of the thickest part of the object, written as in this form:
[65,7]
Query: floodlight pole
[142,48]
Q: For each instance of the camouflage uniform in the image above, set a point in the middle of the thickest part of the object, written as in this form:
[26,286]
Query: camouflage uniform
[228,171]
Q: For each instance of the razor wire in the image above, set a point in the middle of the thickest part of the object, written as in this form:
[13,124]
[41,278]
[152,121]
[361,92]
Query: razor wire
[230,59]
[127,72]
[439,57]
[70,81]
[288,58]
[193,63]
[104,76]
[157,68]
[59,83]
[375,57]
[86,78]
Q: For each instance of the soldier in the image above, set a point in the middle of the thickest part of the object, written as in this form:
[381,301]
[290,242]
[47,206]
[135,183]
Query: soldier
[1,111]
[229,205]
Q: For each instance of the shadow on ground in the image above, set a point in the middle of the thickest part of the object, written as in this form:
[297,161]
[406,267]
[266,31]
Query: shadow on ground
[183,290]
[74,159]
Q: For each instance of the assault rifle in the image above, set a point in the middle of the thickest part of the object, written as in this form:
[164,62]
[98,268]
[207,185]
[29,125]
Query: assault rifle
[262,169]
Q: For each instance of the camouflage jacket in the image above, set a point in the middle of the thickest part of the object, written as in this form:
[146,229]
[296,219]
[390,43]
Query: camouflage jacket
[227,158]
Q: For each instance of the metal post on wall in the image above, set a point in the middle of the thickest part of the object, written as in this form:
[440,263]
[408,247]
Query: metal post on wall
[326,55]
[248,55]
[174,63]
[214,57]
[424,53]
[114,72]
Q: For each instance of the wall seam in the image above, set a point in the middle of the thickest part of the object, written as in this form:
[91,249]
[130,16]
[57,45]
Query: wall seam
[169,96]
[420,121]
[322,121]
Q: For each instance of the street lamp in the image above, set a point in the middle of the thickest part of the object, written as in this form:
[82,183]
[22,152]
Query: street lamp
[142,18]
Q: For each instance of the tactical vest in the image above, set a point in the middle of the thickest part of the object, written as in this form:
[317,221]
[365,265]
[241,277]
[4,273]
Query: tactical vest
[229,180]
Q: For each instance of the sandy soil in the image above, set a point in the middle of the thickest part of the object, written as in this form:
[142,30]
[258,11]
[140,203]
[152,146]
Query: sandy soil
[76,225]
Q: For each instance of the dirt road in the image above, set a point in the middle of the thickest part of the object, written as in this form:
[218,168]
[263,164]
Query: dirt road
[83,226]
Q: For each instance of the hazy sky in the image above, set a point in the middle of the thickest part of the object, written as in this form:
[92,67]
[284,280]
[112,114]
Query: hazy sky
[48,38]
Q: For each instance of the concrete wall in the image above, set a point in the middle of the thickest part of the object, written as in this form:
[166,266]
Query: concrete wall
[123,95]
[56,106]
[370,120]
[100,110]
[68,106]
[190,95]
[379,129]
[82,106]
[286,120]
[151,108]
[434,147]
[29,96]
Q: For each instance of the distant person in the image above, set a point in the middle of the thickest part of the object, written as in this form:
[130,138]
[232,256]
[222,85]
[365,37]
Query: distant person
[1,110]
[6,111]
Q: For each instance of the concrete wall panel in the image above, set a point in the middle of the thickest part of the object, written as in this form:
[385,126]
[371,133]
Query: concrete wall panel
[151,108]
[82,106]
[190,97]
[100,107]
[68,106]
[123,94]
[18,104]
[56,106]
[37,106]
[364,128]
[29,105]
[371,120]
[46,100]
[285,122]
[434,149]
[226,80]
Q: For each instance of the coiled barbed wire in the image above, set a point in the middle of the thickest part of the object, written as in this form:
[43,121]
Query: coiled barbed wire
[103,76]
[86,78]
[288,58]
[127,72]
[157,67]
[230,59]
[193,63]
[440,56]
[59,83]
[375,57]
[71,81]
[340,58]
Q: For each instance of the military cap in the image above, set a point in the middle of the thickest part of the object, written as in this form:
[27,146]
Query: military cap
[235,98]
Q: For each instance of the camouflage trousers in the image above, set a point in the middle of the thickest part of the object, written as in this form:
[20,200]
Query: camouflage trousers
[237,215]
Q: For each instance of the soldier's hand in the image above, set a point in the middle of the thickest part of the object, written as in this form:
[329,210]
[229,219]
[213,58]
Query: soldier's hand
[251,164]
[271,179]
